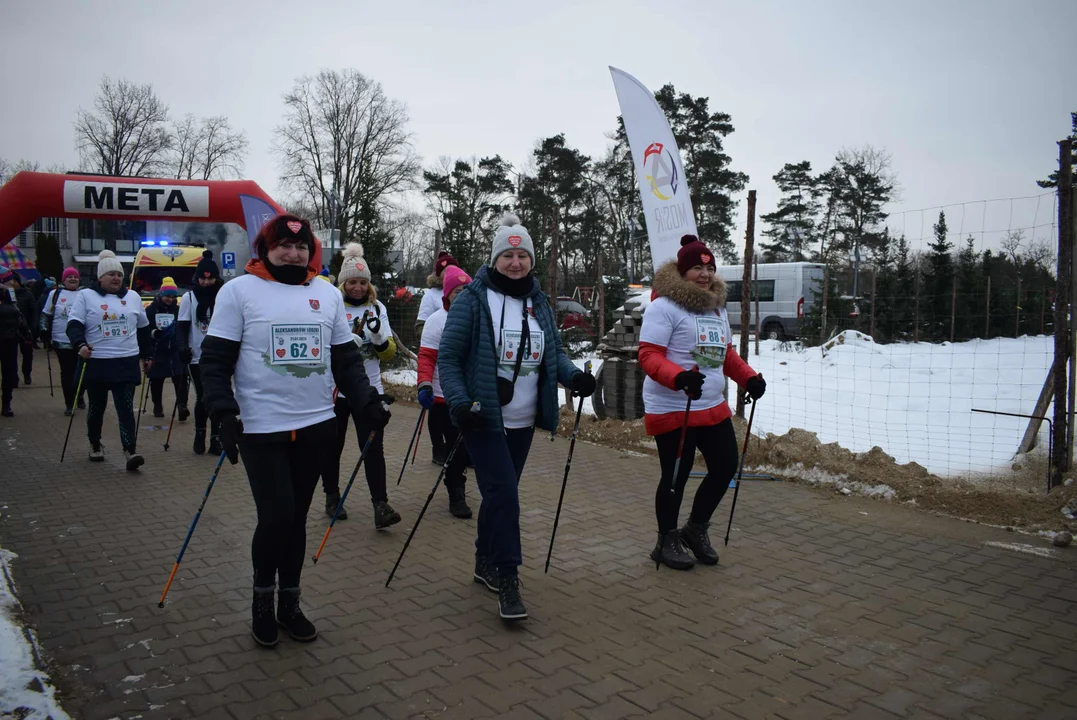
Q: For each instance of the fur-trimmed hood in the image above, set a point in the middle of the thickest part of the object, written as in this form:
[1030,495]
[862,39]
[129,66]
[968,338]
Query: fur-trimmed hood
[669,283]
[433,280]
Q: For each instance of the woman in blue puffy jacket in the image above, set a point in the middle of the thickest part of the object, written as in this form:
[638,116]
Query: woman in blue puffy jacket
[499,363]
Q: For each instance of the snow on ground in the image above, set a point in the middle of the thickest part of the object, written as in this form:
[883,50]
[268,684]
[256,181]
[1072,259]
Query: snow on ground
[914,400]
[25,692]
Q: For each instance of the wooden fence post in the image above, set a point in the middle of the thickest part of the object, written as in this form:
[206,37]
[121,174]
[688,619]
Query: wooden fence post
[746,290]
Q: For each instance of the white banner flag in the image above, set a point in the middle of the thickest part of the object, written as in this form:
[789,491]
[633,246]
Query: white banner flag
[663,187]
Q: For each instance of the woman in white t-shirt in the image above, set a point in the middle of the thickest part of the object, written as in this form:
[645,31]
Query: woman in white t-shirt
[686,348]
[432,399]
[54,315]
[500,349]
[283,342]
[196,309]
[108,328]
[369,324]
[438,427]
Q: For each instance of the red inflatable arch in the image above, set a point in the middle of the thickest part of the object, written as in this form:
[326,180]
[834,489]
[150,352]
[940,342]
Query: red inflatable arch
[32,195]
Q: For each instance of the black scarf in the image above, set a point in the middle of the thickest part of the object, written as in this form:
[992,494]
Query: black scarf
[355,303]
[207,298]
[96,287]
[287,274]
[505,285]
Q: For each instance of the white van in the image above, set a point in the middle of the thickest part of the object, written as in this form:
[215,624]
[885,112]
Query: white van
[784,291]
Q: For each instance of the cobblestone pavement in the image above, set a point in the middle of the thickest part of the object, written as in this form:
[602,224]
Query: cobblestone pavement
[822,606]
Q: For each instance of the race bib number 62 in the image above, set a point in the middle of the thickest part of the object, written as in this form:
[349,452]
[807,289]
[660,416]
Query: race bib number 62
[297,345]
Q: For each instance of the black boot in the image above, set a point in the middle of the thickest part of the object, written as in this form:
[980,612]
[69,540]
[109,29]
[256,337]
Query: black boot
[26,378]
[331,502]
[384,515]
[215,445]
[6,410]
[670,551]
[81,404]
[158,411]
[509,604]
[458,503]
[263,625]
[486,574]
[291,618]
[694,535]
[199,441]
[183,413]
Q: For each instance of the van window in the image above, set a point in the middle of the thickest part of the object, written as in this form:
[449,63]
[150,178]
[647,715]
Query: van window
[763,291]
[147,280]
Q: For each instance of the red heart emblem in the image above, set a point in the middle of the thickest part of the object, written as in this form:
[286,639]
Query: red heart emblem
[508,354]
[515,240]
[702,337]
[280,353]
[63,299]
[295,226]
[104,307]
[705,258]
[314,352]
[123,302]
[534,355]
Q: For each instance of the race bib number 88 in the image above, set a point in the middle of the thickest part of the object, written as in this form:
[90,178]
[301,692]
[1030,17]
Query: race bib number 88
[712,341]
[297,345]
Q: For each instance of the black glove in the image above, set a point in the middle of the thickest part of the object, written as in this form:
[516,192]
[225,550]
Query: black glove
[373,322]
[465,419]
[373,414]
[231,429]
[756,386]
[583,384]
[186,356]
[691,381]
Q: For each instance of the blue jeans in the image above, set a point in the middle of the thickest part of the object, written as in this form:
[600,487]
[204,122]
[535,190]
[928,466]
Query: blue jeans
[499,457]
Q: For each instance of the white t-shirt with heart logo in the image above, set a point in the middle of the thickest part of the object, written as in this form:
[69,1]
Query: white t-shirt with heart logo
[58,306]
[188,312]
[521,412]
[111,322]
[371,363]
[282,378]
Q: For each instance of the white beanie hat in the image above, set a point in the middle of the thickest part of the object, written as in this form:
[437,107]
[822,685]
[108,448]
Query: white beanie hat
[107,262]
[511,236]
[354,265]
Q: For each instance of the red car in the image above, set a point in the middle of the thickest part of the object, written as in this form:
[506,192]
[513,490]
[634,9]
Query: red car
[571,314]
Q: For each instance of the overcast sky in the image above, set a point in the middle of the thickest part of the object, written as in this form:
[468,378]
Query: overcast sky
[969,97]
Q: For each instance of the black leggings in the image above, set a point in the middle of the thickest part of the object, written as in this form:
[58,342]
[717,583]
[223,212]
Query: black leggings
[69,361]
[439,426]
[454,476]
[718,443]
[373,465]
[157,386]
[9,367]
[200,413]
[123,397]
[283,474]
[27,358]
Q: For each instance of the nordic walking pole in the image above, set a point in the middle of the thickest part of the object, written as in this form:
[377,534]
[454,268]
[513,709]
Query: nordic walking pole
[418,434]
[680,451]
[142,404]
[414,435]
[171,421]
[190,531]
[48,343]
[564,481]
[348,487]
[740,472]
[78,391]
[475,407]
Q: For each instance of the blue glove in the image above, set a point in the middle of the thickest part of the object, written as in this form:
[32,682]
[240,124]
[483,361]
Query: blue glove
[426,396]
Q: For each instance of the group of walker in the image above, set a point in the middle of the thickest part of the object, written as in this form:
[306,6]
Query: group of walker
[281,360]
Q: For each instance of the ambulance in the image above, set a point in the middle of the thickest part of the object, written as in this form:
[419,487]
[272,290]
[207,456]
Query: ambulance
[154,264]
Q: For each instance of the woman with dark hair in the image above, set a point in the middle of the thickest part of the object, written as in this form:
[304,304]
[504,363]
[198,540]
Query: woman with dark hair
[500,348]
[686,349]
[284,343]
[13,332]
[196,309]
[53,323]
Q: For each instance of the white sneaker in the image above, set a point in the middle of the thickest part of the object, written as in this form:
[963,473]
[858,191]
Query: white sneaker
[134,460]
[97,453]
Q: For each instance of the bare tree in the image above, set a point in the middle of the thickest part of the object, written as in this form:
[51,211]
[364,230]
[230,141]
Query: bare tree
[207,148]
[343,137]
[1011,244]
[125,134]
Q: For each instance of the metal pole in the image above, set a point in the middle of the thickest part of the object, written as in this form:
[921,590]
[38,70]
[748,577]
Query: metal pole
[1063,433]
[1066,178]
[758,326]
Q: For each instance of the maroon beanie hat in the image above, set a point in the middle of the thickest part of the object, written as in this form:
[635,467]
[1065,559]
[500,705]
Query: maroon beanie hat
[692,253]
[444,260]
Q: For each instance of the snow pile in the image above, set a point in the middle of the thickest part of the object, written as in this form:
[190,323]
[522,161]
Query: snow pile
[841,482]
[25,690]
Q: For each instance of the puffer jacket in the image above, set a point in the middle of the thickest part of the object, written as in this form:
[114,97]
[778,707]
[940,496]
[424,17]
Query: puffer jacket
[27,304]
[166,356]
[467,357]
[13,327]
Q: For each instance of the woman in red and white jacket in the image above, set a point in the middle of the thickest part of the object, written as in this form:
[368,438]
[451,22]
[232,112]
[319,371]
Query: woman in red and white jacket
[685,348]
[454,279]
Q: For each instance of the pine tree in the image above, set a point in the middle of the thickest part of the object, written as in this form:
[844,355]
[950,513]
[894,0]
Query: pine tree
[906,279]
[936,310]
[792,224]
[970,293]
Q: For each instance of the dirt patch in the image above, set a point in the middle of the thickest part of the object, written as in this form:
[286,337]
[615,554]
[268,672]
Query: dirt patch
[1016,499]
